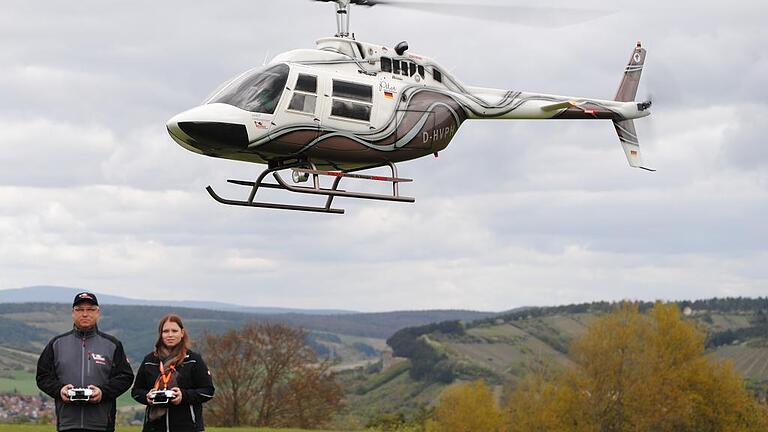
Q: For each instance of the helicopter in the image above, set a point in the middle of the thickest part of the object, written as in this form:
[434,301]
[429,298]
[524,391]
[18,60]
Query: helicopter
[348,106]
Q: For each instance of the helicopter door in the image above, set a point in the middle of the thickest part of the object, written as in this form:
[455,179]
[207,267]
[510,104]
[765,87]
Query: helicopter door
[298,120]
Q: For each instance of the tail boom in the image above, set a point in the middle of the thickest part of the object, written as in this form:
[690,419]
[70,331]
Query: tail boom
[483,103]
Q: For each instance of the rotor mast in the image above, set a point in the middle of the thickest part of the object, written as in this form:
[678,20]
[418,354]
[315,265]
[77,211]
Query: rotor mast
[342,18]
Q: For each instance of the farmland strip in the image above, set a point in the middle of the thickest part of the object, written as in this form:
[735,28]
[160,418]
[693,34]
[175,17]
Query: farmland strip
[756,355]
[765,364]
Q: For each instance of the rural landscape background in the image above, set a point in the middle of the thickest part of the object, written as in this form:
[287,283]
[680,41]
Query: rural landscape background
[392,367]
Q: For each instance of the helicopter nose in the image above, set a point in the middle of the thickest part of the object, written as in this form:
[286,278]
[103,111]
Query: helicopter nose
[210,128]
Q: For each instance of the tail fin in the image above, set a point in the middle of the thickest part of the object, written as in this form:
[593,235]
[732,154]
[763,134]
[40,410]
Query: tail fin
[626,93]
[628,87]
[629,142]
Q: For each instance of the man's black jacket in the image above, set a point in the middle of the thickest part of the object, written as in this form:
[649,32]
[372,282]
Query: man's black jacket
[82,358]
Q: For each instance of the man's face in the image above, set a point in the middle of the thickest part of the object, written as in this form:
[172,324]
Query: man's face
[85,315]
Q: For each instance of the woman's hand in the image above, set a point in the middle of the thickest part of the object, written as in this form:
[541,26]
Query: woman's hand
[149,401]
[176,396]
[96,396]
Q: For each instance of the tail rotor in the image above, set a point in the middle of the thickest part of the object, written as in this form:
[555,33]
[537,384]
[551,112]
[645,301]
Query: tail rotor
[627,92]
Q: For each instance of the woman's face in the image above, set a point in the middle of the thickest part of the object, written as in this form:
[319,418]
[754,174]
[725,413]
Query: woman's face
[172,334]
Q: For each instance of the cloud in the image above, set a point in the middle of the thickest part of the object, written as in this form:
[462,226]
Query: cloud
[744,144]
[45,152]
[93,193]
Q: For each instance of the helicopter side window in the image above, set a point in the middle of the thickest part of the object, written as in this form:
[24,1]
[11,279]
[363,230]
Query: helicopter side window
[258,91]
[304,95]
[437,75]
[352,110]
[354,91]
[351,100]
[306,83]
[396,66]
[386,64]
[421,71]
[404,68]
[413,69]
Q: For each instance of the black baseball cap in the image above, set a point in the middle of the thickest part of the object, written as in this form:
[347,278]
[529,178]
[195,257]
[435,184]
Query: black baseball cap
[84,297]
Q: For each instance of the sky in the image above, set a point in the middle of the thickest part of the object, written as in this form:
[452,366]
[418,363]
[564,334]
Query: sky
[94,193]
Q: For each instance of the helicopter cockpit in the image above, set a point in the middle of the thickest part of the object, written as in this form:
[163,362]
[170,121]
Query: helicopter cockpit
[256,91]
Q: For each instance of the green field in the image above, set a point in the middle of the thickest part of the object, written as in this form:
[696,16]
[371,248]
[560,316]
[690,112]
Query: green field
[19,382]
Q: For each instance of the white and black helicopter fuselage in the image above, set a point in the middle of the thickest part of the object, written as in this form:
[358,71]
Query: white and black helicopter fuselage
[348,105]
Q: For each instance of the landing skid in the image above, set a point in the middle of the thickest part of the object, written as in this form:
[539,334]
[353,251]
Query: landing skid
[332,192]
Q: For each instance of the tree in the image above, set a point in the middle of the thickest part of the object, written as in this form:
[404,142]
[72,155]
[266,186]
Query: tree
[467,407]
[542,405]
[266,375]
[310,398]
[641,373]
[231,362]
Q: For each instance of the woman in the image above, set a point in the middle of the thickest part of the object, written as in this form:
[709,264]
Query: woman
[173,367]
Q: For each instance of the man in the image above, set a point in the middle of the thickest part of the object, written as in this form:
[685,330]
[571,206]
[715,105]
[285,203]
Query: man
[84,357]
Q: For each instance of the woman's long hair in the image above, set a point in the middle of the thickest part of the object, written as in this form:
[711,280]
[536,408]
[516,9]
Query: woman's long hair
[174,356]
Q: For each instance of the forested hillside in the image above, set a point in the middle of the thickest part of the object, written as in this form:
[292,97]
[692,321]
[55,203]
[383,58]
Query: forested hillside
[28,326]
[504,349]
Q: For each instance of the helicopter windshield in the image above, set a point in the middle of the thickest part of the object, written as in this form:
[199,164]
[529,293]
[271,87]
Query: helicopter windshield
[257,91]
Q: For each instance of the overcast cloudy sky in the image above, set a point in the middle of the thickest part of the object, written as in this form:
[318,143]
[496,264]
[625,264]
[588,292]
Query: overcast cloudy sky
[95,194]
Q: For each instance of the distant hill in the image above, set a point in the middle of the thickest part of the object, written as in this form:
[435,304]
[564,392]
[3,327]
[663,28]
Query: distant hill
[57,294]
[504,348]
[28,326]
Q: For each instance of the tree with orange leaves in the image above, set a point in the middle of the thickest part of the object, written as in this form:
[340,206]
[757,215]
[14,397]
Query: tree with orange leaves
[640,373]
[466,407]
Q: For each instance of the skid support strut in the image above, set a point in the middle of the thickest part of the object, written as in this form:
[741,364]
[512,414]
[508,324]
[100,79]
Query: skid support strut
[315,189]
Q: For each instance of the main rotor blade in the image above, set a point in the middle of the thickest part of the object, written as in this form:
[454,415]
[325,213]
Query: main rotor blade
[524,15]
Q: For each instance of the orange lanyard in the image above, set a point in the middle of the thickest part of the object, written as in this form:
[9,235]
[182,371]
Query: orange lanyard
[166,377]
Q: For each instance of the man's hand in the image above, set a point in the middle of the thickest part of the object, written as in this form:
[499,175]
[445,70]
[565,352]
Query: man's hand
[176,396]
[63,392]
[96,396]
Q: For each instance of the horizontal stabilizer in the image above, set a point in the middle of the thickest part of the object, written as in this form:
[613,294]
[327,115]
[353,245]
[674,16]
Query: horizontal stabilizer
[629,142]
[557,106]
